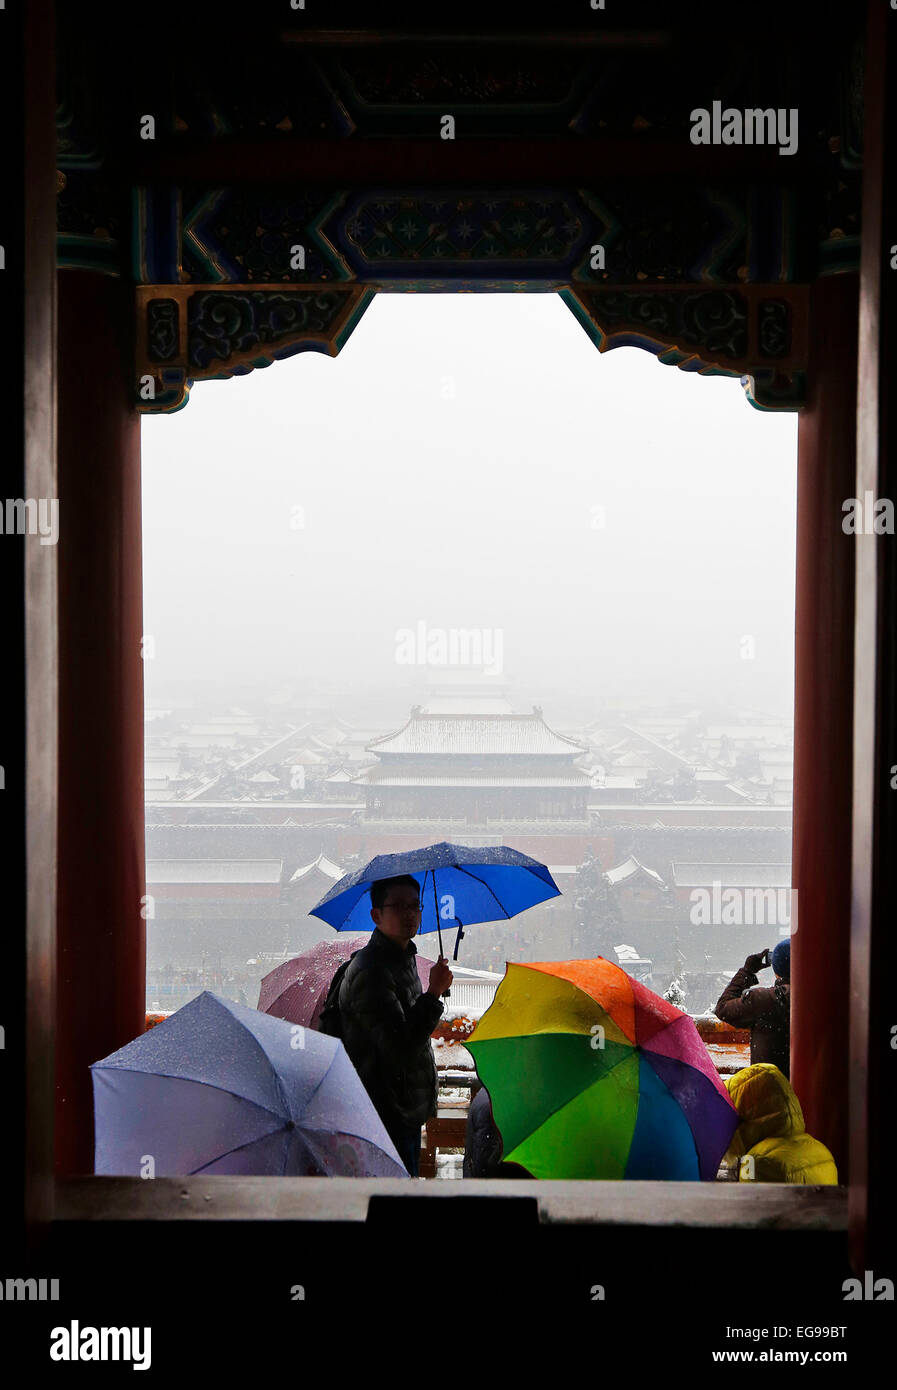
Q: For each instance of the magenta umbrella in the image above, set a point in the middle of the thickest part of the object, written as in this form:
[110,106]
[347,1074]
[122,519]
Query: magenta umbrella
[297,990]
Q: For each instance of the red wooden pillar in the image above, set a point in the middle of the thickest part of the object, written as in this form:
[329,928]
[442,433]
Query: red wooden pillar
[873,1017]
[823,697]
[40,652]
[101,945]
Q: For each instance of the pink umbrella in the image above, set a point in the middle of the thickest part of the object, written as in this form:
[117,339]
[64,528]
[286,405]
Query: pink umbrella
[297,990]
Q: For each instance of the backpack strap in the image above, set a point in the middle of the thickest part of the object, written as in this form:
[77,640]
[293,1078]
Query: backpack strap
[331,1003]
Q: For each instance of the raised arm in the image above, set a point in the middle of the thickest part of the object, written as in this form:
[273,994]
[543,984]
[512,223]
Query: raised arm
[731,1007]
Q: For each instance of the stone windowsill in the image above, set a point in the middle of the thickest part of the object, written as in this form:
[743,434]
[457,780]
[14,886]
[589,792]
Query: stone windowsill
[646,1204]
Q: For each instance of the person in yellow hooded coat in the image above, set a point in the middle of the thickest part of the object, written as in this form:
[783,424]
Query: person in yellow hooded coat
[771,1131]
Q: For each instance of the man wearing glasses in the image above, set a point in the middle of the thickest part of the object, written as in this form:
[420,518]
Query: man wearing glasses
[386,1018]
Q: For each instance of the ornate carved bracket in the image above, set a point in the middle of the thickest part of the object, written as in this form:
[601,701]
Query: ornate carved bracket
[187,333]
[755,332]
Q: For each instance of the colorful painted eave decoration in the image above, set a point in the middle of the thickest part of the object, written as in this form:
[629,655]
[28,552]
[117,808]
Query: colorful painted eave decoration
[212,332]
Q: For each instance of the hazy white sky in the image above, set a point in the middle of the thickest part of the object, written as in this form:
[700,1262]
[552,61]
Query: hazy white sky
[473,462]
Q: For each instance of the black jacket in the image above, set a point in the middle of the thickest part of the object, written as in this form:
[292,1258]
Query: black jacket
[483,1143]
[766,1011]
[386,1022]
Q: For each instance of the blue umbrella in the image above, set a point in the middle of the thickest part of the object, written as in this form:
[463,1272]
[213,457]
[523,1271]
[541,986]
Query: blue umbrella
[222,1088]
[459,885]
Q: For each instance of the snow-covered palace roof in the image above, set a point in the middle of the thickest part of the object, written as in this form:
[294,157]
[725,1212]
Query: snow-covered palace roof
[620,872]
[497,735]
[323,865]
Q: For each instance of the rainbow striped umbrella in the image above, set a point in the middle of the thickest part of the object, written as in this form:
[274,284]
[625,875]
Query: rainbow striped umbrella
[592,1075]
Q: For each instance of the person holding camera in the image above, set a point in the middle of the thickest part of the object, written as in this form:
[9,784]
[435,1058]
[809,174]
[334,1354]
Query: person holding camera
[765,1010]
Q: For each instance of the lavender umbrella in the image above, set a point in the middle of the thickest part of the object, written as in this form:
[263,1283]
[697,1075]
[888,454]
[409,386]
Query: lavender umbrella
[222,1088]
[297,990]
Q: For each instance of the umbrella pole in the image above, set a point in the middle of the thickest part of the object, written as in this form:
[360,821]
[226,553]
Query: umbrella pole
[436,908]
[438,927]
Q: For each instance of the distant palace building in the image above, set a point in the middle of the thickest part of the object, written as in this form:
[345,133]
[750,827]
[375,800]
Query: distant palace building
[243,840]
[468,761]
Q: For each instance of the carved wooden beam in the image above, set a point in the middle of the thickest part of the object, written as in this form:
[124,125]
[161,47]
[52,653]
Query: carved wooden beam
[187,333]
[438,162]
